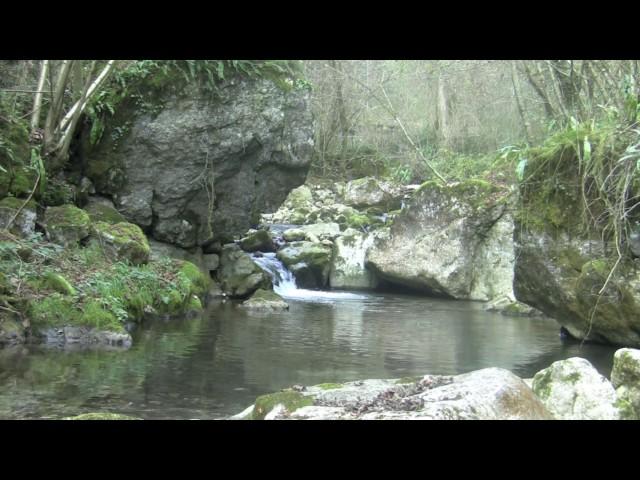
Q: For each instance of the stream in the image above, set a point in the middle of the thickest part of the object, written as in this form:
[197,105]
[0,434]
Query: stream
[216,365]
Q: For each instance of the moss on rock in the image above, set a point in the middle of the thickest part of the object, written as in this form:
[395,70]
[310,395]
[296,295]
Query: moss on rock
[102,416]
[290,399]
[104,213]
[67,224]
[123,240]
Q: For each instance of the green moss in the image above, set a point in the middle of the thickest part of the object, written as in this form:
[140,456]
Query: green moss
[199,282]
[102,416]
[541,384]
[23,181]
[104,213]
[67,215]
[405,380]
[329,386]
[54,310]
[626,408]
[57,311]
[194,304]
[573,378]
[94,315]
[15,203]
[57,193]
[57,282]
[124,240]
[290,399]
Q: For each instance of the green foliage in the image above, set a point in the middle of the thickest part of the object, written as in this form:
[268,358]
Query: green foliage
[583,179]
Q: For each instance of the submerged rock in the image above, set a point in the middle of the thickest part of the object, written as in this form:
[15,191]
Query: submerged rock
[573,390]
[625,377]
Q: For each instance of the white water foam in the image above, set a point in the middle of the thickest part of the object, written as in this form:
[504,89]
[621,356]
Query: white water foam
[284,282]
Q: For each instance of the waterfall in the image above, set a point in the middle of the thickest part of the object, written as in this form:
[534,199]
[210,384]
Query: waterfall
[284,282]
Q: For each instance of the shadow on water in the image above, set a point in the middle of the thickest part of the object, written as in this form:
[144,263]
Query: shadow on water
[214,366]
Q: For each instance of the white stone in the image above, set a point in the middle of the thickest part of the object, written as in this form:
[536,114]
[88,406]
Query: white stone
[573,389]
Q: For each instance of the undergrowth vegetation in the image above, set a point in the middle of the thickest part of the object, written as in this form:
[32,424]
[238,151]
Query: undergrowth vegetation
[52,286]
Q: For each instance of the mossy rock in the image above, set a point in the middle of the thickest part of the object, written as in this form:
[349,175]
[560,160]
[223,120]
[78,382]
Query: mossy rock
[310,262]
[199,282]
[329,386]
[104,213]
[294,234]
[290,399]
[124,241]
[264,299]
[102,416]
[57,310]
[67,225]
[258,241]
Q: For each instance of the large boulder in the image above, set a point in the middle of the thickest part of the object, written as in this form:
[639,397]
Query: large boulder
[348,261]
[573,390]
[66,225]
[564,263]
[562,275]
[625,377]
[310,263]
[239,275]
[454,241]
[489,394]
[24,224]
[195,168]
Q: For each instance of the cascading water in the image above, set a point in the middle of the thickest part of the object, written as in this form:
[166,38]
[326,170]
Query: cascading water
[284,282]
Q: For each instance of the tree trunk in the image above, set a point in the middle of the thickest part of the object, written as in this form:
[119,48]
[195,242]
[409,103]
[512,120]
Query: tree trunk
[517,94]
[37,104]
[548,108]
[55,106]
[444,112]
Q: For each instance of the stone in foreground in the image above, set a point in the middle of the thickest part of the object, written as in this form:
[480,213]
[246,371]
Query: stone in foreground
[573,390]
[625,377]
[488,394]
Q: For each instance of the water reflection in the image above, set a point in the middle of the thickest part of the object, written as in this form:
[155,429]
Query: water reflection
[216,365]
